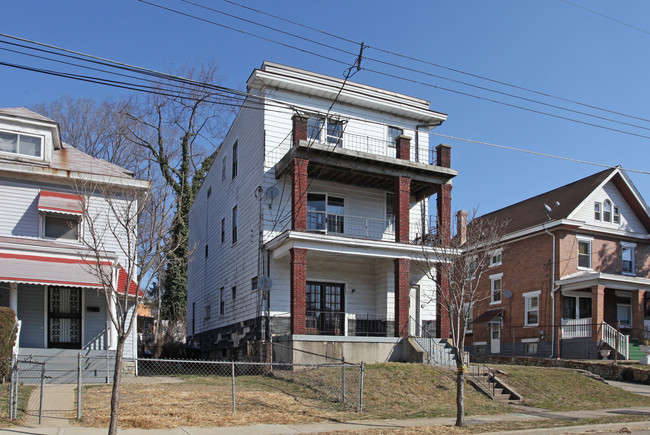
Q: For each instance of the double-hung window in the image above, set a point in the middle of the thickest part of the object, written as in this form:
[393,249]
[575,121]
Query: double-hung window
[597,211]
[607,210]
[234,159]
[26,145]
[627,256]
[496,284]
[584,252]
[532,308]
[234,225]
[393,134]
[496,258]
[327,130]
[325,213]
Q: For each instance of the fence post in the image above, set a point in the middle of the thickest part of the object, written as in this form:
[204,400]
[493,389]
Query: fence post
[15,404]
[361,370]
[79,373]
[233,386]
[343,383]
[40,405]
[11,385]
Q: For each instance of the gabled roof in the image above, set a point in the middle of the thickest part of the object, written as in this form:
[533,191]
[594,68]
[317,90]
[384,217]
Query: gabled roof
[68,158]
[531,212]
[23,112]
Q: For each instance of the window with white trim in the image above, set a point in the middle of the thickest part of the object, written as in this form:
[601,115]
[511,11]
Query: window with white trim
[496,284]
[531,308]
[530,348]
[23,144]
[617,215]
[326,130]
[627,257]
[496,257]
[234,159]
[61,226]
[393,134]
[584,253]
[607,210]
[224,168]
[597,211]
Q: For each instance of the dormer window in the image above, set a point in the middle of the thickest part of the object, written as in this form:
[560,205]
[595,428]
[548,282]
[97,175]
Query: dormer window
[607,210]
[23,144]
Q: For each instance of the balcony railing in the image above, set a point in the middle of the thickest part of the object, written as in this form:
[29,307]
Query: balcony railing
[368,144]
[349,226]
[576,328]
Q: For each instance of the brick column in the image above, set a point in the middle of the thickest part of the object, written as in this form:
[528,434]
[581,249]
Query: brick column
[299,131]
[299,194]
[402,284]
[638,313]
[442,315]
[443,202]
[443,155]
[298,290]
[402,208]
[403,145]
[597,310]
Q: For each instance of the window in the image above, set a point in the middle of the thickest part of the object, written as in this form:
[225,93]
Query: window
[26,145]
[577,307]
[207,311]
[390,212]
[234,292]
[607,211]
[496,257]
[234,159]
[496,286]
[206,251]
[325,213]
[479,350]
[627,256]
[209,191]
[597,215]
[393,134]
[617,216]
[326,130]
[221,303]
[584,253]
[335,132]
[61,226]
[234,225]
[531,308]
[530,348]
[224,167]
[254,283]
[223,230]
[469,313]
[314,128]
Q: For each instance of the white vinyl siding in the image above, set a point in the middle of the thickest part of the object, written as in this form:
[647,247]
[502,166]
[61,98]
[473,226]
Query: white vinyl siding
[628,219]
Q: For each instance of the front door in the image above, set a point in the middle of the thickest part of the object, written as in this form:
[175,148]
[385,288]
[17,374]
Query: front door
[64,317]
[495,338]
[325,308]
[414,311]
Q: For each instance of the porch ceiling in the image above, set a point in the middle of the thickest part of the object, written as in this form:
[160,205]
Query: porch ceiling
[583,280]
[364,169]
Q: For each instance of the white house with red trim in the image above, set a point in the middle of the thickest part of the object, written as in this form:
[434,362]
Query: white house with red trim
[45,275]
[307,228]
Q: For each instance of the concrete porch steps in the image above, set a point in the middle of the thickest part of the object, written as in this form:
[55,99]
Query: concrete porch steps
[61,365]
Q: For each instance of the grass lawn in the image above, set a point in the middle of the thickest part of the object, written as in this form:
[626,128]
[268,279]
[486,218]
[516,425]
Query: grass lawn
[24,391]
[391,390]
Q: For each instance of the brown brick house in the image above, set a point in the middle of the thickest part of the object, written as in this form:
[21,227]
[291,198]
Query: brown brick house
[574,267]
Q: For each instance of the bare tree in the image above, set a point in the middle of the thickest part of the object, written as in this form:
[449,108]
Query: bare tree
[461,262]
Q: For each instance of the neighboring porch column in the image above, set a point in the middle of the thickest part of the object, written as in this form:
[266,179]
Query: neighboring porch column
[403,145]
[443,203]
[443,155]
[597,310]
[638,313]
[443,231]
[402,280]
[442,315]
[299,131]
[13,297]
[299,290]
[299,194]
[402,209]
[110,328]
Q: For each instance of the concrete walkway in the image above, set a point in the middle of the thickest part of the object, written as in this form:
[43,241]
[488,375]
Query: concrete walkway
[59,406]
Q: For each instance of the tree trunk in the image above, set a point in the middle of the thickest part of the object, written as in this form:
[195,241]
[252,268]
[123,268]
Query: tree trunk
[460,389]
[117,378]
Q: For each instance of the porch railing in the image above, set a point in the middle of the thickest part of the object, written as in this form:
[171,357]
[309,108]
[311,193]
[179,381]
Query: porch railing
[370,325]
[576,328]
[349,226]
[324,322]
[616,340]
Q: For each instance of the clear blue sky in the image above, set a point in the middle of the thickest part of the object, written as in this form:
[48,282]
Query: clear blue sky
[549,46]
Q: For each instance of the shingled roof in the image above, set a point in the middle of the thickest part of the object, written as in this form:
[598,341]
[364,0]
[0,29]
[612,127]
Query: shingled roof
[531,212]
[23,112]
[71,159]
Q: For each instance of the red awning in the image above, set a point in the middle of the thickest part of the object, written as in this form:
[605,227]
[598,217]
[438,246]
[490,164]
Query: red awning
[59,202]
[57,271]
[122,276]
[489,316]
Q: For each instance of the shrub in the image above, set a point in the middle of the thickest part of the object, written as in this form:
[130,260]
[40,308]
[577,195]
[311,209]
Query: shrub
[7,339]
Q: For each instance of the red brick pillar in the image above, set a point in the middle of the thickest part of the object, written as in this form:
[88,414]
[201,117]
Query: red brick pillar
[638,313]
[443,155]
[403,145]
[443,202]
[442,315]
[299,131]
[402,208]
[597,310]
[298,290]
[299,194]
[402,284]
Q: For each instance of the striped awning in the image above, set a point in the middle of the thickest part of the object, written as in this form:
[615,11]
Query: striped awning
[56,202]
[49,270]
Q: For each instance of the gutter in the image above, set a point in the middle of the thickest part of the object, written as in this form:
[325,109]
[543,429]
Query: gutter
[554,288]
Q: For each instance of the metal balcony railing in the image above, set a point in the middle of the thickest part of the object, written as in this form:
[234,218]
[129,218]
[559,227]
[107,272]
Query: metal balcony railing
[370,145]
[349,226]
[325,322]
[370,325]
[576,328]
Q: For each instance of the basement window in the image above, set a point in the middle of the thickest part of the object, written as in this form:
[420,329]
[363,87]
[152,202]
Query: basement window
[530,348]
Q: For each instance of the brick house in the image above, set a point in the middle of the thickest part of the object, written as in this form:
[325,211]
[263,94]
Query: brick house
[305,227]
[575,265]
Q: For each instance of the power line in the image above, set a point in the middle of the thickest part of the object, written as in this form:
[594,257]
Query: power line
[607,17]
[537,153]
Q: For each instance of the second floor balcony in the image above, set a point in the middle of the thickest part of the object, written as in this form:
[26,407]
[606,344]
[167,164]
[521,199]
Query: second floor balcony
[350,226]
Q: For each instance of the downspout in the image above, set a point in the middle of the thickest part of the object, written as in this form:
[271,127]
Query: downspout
[554,288]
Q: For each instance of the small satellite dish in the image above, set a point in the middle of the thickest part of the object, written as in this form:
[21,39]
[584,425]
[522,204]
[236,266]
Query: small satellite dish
[507,294]
[272,192]
[548,209]
[265,283]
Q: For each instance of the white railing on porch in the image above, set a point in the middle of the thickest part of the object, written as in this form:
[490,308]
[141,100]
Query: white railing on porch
[576,328]
[616,340]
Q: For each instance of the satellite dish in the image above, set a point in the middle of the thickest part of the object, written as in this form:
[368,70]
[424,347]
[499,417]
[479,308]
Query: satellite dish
[507,294]
[265,283]
[548,209]
[272,192]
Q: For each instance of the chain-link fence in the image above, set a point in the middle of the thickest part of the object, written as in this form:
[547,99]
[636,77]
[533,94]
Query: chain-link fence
[25,398]
[197,389]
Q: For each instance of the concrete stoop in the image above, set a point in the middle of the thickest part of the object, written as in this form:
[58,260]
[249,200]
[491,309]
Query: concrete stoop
[495,389]
[61,365]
